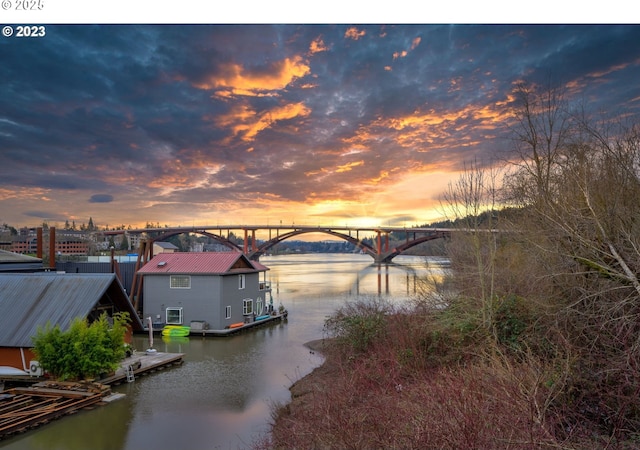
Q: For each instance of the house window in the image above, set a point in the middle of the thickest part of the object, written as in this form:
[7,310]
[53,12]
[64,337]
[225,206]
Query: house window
[174,316]
[227,312]
[259,306]
[180,282]
[247,306]
[241,281]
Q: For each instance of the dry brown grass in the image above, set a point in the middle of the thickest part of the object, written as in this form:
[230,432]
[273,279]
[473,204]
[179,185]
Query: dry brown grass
[393,396]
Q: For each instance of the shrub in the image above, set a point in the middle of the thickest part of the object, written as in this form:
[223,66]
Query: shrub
[358,324]
[510,320]
[84,350]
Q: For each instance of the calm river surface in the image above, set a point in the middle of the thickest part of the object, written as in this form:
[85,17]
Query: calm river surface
[222,396]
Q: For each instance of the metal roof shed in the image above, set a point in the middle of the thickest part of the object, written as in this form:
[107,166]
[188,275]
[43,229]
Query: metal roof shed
[29,301]
[15,262]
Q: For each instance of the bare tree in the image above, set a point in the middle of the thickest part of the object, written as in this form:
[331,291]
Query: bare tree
[541,131]
[471,202]
[579,184]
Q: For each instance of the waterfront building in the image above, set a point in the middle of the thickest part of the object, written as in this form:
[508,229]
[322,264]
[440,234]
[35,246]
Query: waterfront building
[31,300]
[212,290]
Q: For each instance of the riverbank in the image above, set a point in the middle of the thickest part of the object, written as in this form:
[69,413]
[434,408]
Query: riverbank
[313,382]
[385,397]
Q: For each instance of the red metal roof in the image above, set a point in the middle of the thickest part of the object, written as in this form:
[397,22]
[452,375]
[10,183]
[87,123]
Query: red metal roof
[216,263]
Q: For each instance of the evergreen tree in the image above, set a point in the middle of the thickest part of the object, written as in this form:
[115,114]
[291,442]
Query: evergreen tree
[124,245]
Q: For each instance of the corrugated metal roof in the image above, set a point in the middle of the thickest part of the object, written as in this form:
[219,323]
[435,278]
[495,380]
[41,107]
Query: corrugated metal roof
[11,257]
[215,263]
[28,301]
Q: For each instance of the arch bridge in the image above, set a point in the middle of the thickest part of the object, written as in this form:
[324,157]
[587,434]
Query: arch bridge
[379,250]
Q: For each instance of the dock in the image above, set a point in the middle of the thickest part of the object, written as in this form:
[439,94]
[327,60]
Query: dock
[244,327]
[204,332]
[23,408]
[142,363]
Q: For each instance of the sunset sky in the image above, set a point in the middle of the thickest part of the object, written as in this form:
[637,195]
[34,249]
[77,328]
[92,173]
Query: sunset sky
[310,124]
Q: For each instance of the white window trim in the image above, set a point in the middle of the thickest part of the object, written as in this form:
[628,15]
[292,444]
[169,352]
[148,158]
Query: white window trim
[245,310]
[181,315]
[259,306]
[242,281]
[227,312]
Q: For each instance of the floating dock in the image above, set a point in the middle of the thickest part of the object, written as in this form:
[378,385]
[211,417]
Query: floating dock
[142,363]
[233,329]
[25,408]
[245,326]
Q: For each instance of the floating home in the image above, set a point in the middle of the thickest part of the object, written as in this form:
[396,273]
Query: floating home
[31,300]
[205,290]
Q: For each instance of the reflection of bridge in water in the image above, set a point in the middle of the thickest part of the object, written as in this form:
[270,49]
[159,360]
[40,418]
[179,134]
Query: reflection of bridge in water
[380,251]
[382,273]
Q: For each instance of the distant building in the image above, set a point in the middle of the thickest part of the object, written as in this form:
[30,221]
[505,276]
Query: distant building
[24,245]
[70,246]
[164,247]
[68,242]
[212,289]
[196,247]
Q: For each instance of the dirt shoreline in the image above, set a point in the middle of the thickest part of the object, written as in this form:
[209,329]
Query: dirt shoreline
[317,345]
[310,382]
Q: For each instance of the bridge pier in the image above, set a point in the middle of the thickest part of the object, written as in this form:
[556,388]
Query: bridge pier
[379,244]
[254,247]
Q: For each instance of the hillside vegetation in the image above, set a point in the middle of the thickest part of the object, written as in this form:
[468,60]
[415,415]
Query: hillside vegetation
[534,339]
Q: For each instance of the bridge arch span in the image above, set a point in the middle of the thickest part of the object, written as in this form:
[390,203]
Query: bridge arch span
[220,239]
[388,256]
[262,249]
[380,253]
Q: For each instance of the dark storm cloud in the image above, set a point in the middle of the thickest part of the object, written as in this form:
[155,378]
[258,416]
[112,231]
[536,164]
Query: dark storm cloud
[101,198]
[201,114]
[45,215]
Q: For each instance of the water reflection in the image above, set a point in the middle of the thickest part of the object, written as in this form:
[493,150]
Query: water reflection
[221,397]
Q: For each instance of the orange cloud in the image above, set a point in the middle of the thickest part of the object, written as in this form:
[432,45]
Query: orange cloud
[404,53]
[354,33]
[317,46]
[383,175]
[234,79]
[430,130]
[349,166]
[245,122]
[33,193]
[401,54]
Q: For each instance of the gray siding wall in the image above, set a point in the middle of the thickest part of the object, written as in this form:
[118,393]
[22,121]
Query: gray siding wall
[206,300]
[126,269]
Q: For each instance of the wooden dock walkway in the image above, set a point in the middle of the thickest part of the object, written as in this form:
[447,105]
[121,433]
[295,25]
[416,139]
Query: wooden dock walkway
[142,363]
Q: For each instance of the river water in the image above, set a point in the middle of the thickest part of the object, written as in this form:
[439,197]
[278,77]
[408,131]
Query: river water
[223,395]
